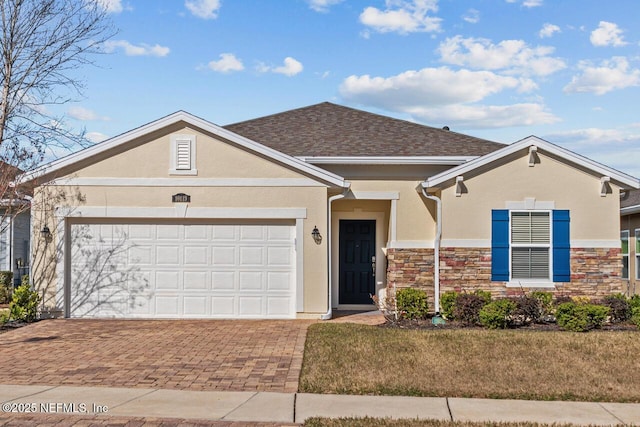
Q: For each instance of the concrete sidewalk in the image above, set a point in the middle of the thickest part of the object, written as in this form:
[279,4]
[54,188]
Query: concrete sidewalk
[296,407]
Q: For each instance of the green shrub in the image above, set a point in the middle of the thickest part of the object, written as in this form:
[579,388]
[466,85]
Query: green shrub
[619,308]
[467,308]
[485,295]
[412,303]
[576,317]
[447,303]
[635,316]
[24,304]
[6,284]
[545,303]
[634,301]
[498,314]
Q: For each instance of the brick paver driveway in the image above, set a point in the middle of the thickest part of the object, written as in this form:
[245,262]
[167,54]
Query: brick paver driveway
[228,355]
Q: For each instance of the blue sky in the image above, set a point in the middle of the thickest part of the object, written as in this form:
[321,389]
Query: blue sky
[565,70]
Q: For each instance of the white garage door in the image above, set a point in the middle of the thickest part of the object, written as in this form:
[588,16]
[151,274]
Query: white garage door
[170,270]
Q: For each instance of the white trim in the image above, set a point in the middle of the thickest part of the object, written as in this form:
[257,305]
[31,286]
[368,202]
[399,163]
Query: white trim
[630,210]
[173,167]
[299,248]
[191,120]
[548,246]
[374,195]
[466,243]
[188,182]
[380,276]
[393,220]
[586,244]
[411,244]
[384,160]
[530,203]
[172,212]
[531,284]
[617,177]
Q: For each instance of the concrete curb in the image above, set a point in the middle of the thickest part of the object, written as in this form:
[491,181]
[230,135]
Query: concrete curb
[297,407]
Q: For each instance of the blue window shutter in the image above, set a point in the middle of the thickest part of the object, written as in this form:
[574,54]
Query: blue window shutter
[561,246]
[500,245]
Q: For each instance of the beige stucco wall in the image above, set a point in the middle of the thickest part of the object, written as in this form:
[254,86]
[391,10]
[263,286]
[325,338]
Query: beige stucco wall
[214,159]
[592,217]
[150,159]
[415,220]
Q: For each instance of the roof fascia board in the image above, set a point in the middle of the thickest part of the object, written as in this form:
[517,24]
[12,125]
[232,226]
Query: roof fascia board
[600,169]
[321,174]
[630,210]
[387,160]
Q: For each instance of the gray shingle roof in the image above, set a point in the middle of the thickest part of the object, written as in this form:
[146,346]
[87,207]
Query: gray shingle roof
[328,129]
[631,198]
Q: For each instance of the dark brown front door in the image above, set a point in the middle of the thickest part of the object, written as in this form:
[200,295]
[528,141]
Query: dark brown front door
[356,269]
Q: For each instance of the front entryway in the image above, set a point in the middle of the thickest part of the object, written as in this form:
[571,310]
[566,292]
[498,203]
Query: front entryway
[357,261]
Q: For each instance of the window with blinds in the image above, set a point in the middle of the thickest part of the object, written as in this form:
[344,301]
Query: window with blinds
[624,244]
[530,245]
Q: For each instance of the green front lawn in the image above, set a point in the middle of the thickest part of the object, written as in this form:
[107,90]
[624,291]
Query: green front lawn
[506,364]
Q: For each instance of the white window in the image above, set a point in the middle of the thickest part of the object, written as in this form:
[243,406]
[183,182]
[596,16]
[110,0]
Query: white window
[638,253]
[624,243]
[183,155]
[530,245]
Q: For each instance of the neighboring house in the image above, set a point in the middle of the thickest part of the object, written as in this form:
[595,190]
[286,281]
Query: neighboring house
[15,229]
[630,238]
[297,213]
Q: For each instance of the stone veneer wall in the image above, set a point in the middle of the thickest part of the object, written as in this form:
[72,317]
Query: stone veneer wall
[411,267]
[595,272]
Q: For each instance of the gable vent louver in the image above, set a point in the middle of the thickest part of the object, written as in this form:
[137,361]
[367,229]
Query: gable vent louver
[183,155]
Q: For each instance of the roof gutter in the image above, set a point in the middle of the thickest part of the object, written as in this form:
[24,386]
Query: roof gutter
[630,210]
[436,250]
[329,313]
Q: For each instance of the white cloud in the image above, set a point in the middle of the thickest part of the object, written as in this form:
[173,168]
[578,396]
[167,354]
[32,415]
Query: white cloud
[226,64]
[322,5]
[528,3]
[610,75]
[142,49]
[111,6]
[617,148]
[96,136]
[84,114]
[472,16]
[205,9]
[402,16]
[512,56]
[607,34]
[532,3]
[290,68]
[444,96]
[548,30]
[486,116]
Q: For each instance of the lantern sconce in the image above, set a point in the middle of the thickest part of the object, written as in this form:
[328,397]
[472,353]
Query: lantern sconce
[45,232]
[316,235]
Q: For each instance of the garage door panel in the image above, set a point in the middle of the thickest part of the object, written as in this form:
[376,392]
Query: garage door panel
[195,280]
[182,270]
[196,255]
[224,255]
[167,280]
[223,280]
[250,280]
[168,255]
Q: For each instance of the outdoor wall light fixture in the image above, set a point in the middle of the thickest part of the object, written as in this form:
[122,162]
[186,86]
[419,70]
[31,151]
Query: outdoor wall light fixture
[45,232]
[316,235]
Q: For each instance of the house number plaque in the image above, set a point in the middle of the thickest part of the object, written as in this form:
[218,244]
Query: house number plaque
[181,198]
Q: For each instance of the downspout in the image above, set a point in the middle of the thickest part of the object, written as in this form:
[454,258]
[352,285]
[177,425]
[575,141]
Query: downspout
[436,249]
[329,313]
